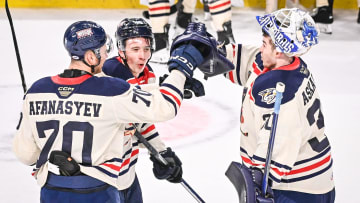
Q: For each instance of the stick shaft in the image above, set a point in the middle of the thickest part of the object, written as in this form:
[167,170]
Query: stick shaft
[158,156]
[280,87]
[16,46]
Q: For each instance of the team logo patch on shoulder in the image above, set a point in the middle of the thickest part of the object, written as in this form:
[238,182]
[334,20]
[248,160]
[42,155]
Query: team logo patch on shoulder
[65,91]
[268,95]
[84,33]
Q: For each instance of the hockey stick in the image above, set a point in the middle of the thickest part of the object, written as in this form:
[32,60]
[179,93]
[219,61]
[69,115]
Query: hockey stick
[158,156]
[16,46]
[280,88]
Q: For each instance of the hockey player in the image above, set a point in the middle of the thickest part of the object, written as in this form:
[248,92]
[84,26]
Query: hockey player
[159,12]
[73,124]
[301,166]
[135,42]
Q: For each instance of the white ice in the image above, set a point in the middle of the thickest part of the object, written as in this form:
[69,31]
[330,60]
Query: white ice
[206,153]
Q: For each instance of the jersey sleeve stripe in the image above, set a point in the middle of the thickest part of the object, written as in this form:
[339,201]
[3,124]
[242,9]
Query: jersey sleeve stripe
[150,128]
[313,158]
[311,167]
[172,102]
[308,176]
[173,96]
[231,77]
[106,172]
[130,165]
[172,87]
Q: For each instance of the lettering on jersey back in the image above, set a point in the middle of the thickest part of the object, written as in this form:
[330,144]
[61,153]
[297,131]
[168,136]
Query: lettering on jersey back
[64,107]
[309,90]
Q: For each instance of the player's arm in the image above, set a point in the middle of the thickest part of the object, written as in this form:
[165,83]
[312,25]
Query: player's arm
[24,145]
[242,56]
[149,132]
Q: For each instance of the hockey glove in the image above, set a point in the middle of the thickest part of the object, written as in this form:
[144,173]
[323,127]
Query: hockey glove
[67,165]
[257,176]
[185,58]
[192,86]
[171,172]
[214,54]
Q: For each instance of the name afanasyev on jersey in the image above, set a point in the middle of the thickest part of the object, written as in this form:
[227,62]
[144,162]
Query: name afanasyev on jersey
[77,108]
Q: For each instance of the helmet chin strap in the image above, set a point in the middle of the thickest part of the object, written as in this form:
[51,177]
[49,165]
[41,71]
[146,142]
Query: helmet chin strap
[93,66]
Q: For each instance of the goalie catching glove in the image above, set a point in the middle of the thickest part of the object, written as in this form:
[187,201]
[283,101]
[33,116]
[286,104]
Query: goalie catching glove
[212,60]
[172,171]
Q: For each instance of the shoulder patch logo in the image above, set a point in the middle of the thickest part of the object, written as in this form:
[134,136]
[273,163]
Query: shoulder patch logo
[268,95]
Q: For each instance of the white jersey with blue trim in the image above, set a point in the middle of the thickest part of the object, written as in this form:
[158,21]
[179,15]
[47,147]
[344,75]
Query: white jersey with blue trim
[301,159]
[87,116]
[115,67]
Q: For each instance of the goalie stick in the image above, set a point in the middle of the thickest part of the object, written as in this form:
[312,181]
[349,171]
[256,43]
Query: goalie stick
[16,46]
[241,176]
[280,88]
[158,156]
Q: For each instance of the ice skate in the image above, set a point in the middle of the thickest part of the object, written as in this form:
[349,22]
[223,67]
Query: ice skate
[161,52]
[358,19]
[323,18]
[207,15]
[226,36]
[182,21]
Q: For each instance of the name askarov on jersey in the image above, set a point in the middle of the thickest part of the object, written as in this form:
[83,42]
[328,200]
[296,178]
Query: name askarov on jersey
[301,158]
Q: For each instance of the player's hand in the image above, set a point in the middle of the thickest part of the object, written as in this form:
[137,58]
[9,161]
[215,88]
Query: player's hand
[185,58]
[172,171]
[192,86]
[257,176]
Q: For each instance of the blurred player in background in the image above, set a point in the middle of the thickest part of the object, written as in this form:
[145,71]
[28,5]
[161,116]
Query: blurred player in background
[323,15]
[301,166]
[159,12]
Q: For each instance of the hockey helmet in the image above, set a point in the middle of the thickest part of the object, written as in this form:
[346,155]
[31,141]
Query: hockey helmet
[293,31]
[132,28]
[82,36]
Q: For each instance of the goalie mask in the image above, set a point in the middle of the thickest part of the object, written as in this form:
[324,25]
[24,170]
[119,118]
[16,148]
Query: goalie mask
[133,28]
[82,36]
[293,31]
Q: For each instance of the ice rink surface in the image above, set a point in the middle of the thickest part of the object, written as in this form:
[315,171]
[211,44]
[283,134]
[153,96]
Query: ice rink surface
[205,135]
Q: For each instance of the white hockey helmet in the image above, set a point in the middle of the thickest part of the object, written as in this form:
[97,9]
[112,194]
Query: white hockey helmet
[293,31]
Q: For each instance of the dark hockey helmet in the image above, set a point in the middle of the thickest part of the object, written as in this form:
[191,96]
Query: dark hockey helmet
[82,36]
[132,28]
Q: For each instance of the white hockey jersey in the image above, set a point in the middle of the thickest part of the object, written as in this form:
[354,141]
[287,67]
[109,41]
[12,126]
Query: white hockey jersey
[87,116]
[301,159]
[115,67]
